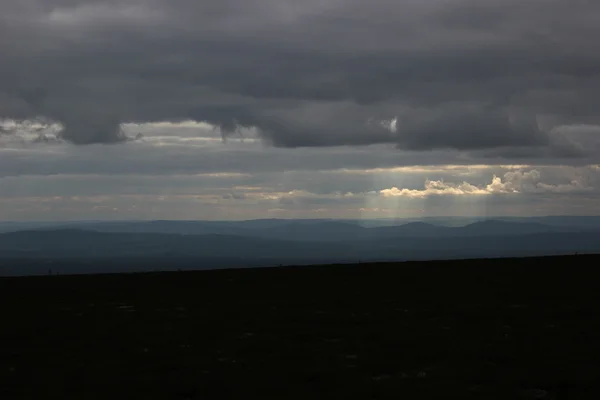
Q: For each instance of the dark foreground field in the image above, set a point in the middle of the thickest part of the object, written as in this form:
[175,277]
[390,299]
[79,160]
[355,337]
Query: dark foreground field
[490,329]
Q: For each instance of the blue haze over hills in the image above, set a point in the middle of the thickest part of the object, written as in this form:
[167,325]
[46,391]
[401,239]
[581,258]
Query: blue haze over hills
[128,246]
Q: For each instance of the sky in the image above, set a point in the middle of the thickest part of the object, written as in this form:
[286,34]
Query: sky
[243,109]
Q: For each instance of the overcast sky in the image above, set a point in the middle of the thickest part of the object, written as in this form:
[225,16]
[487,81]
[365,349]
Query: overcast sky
[240,109]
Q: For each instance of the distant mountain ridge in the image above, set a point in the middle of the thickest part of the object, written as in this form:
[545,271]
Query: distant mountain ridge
[200,227]
[320,230]
[402,243]
[132,245]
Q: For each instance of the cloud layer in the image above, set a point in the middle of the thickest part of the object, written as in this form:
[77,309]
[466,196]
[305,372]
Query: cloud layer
[173,173]
[282,108]
[514,182]
[505,78]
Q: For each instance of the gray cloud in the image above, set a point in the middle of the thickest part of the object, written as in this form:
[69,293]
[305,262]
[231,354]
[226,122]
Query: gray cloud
[311,73]
[183,157]
[453,190]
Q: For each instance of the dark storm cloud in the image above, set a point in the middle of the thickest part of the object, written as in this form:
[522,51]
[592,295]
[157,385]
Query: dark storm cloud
[459,74]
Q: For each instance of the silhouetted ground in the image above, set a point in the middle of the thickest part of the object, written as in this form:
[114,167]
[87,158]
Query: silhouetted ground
[490,329]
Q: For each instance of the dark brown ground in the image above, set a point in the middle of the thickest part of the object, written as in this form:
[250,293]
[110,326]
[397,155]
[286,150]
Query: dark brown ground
[490,329]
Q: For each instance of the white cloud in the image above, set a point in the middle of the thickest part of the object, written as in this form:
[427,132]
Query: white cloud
[435,188]
[515,182]
[512,182]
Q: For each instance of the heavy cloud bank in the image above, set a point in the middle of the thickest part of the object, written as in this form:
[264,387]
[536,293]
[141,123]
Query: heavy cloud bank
[506,78]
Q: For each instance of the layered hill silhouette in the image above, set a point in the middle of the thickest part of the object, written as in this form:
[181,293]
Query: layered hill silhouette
[201,245]
[329,230]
